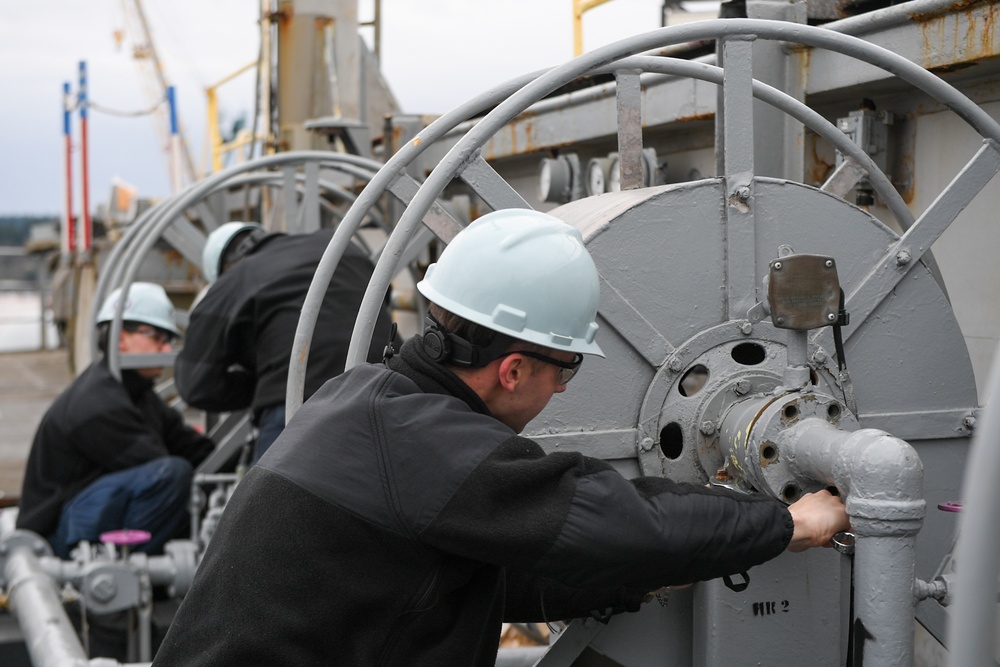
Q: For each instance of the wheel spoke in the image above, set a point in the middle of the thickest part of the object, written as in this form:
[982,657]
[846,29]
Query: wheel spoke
[186,239]
[437,219]
[629,101]
[490,186]
[632,326]
[310,199]
[900,257]
[289,193]
[608,445]
[737,135]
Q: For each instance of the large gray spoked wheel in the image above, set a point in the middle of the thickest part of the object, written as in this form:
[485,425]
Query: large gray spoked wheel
[682,266]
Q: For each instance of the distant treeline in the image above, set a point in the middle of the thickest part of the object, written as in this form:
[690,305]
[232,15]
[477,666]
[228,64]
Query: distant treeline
[15,229]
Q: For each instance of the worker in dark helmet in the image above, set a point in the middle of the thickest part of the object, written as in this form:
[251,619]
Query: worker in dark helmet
[109,454]
[400,518]
[239,340]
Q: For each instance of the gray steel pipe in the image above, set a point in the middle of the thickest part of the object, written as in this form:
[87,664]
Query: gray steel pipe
[882,480]
[972,625]
[162,570]
[48,633]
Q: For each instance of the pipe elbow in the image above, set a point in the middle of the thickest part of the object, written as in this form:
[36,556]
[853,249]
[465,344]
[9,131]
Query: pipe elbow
[885,478]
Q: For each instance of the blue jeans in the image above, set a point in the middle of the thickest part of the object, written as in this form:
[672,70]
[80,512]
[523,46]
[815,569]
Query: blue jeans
[151,497]
[270,424]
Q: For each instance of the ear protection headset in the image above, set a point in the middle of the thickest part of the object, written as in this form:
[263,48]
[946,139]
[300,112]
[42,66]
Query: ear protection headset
[445,347]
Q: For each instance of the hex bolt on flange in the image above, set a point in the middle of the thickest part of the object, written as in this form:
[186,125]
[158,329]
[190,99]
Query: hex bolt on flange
[103,588]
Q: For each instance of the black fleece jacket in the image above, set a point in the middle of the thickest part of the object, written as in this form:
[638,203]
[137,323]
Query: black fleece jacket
[97,426]
[239,341]
[395,522]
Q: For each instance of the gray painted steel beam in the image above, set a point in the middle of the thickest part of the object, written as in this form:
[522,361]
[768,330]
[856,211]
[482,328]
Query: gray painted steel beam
[629,107]
[933,34]
[928,40]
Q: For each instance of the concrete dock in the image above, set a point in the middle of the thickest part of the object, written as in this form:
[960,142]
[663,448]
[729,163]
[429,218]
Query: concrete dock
[29,382]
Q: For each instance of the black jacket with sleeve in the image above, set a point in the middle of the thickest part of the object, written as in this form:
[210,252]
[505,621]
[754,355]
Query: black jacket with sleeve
[395,522]
[239,340]
[97,426]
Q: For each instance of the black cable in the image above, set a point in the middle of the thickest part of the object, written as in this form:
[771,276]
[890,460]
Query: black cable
[838,338]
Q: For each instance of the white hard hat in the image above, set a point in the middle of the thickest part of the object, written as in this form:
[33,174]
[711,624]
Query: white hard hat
[523,273]
[147,303]
[216,245]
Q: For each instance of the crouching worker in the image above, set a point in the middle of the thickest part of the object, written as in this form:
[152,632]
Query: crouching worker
[110,455]
[399,519]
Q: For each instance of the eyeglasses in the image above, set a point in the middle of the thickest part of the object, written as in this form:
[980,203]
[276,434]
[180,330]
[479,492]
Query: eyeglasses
[158,336]
[567,369]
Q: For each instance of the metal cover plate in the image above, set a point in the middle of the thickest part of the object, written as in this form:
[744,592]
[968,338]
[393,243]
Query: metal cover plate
[804,292]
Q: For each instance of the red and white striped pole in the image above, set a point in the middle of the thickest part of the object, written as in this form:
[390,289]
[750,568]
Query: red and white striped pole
[86,235]
[69,222]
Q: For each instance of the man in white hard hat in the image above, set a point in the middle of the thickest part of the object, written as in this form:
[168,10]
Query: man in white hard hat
[400,518]
[110,454]
[238,342]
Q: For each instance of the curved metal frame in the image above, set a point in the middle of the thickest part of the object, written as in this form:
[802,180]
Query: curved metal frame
[110,277]
[139,239]
[667,66]
[464,157]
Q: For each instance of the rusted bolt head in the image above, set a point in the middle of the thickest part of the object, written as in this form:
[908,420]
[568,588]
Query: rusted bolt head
[743,193]
[707,427]
[903,258]
[742,387]
[746,328]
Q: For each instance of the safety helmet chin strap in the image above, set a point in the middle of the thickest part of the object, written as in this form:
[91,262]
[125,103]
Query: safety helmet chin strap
[445,347]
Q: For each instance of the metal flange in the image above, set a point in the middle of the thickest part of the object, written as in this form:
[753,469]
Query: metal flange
[750,439]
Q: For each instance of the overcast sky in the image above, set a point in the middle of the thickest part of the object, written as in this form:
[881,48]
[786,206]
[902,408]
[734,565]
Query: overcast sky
[435,55]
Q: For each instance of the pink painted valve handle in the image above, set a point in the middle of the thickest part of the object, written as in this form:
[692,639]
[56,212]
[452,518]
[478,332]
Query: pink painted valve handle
[125,537]
[951,506]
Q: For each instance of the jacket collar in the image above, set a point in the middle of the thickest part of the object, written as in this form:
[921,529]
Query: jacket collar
[134,384]
[431,377]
